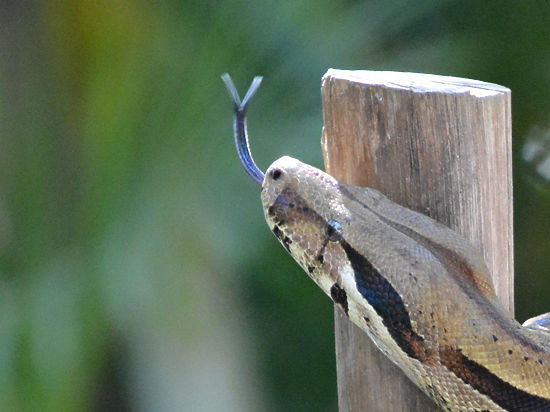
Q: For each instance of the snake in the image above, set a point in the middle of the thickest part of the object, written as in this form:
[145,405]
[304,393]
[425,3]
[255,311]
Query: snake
[418,289]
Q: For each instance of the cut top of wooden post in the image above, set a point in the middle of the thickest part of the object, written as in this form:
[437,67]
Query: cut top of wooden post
[438,145]
[418,82]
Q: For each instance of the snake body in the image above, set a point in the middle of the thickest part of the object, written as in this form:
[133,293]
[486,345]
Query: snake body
[420,291]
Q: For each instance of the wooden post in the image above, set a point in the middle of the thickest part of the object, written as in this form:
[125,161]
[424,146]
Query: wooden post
[438,145]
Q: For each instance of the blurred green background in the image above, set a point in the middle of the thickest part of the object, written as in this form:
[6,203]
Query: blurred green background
[136,270]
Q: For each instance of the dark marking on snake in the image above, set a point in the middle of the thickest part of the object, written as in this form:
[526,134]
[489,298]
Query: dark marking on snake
[485,382]
[339,297]
[286,241]
[385,300]
[277,232]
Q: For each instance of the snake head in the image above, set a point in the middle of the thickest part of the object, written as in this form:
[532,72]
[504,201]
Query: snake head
[302,207]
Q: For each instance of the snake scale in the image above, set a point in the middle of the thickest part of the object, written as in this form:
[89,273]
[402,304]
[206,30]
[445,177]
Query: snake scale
[418,289]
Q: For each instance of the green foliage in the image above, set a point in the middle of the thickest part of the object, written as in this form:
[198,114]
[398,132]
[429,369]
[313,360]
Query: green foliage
[136,271]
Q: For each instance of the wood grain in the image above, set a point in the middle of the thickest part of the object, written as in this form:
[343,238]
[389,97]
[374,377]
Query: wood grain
[438,145]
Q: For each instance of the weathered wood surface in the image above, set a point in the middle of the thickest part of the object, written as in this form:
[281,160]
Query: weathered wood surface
[438,145]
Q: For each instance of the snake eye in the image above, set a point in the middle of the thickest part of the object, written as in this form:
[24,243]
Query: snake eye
[334,231]
[276,173]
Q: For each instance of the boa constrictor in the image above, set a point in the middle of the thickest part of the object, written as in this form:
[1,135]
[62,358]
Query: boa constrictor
[403,278]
